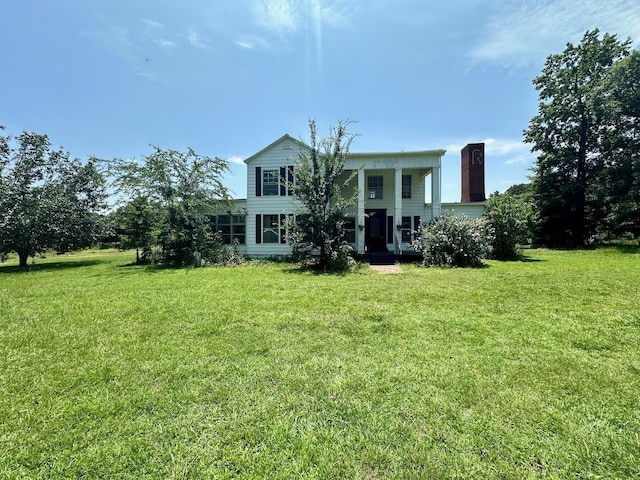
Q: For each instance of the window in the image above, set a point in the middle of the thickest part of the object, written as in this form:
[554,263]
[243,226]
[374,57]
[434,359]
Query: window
[406,229]
[349,227]
[275,181]
[270,229]
[406,186]
[230,228]
[270,182]
[374,184]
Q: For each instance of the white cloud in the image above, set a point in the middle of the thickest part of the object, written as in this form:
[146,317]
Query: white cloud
[196,40]
[164,44]
[252,42]
[152,24]
[290,16]
[279,15]
[245,44]
[236,160]
[521,33]
[510,151]
[118,39]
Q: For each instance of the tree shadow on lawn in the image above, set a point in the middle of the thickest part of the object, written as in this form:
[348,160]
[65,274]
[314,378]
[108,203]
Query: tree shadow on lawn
[628,249]
[523,259]
[155,267]
[317,272]
[37,267]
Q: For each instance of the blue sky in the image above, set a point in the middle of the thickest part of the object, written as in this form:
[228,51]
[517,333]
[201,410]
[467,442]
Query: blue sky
[109,78]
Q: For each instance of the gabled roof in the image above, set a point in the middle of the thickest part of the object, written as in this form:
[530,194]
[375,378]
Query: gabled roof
[354,155]
[286,137]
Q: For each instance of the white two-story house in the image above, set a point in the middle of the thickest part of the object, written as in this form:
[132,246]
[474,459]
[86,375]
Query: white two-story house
[392,188]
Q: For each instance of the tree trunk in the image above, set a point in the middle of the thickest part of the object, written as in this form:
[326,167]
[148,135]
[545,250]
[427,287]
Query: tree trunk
[581,178]
[24,257]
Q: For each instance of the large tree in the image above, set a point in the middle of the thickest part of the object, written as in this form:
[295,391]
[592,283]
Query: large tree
[47,200]
[620,101]
[184,189]
[569,133]
[317,236]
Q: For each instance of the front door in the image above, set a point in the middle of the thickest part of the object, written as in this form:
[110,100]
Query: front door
[375,230]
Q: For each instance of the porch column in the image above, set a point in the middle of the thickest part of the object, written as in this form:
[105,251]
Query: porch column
[360,215]
[397,214]
[436,202]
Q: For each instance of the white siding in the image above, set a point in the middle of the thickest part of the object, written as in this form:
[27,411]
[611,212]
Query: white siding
[471,210]
[285,152]
[279,155]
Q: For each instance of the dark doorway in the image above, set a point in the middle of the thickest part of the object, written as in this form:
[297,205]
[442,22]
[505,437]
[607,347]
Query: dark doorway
[375,230]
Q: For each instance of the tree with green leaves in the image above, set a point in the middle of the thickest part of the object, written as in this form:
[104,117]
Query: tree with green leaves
[184,188]
[317,235]
[620,100]
[510,218]
[570,133]
[47,199]
[138,222]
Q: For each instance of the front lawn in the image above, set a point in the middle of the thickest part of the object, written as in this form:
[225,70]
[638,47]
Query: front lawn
[517,370]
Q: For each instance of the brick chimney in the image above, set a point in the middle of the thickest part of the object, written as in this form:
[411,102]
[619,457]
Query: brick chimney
[473,173]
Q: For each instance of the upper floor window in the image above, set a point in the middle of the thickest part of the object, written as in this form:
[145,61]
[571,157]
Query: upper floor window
[374,186]
[274,181]
[406,186]
[270,182]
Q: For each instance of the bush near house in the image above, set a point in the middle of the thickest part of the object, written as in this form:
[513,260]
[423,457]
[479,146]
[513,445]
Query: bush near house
[454,241]
[511,220]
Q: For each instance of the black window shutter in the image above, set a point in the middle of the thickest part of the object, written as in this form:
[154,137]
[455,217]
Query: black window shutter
[290,179]
[283,181]
[258,181]
[283,230]
[416,222]
[389,229]
[258,227]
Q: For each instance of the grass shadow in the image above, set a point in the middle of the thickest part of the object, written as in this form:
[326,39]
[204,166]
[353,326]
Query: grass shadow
[525,259]
[155,267]
[38,267]
[301,270]
[628,249]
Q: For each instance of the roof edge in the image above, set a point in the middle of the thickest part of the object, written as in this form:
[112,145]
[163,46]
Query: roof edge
[286,136]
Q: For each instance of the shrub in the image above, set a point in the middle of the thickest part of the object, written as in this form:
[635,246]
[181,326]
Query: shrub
[453,241]
[510,219]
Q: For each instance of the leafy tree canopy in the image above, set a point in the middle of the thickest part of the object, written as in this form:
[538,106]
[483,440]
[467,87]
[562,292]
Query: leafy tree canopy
[510,219]
[47,200]
[317,236]
[171,196]
[573,133]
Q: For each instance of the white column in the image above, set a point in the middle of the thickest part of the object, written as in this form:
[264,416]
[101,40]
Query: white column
[397,214]
[360,215]
[436,202]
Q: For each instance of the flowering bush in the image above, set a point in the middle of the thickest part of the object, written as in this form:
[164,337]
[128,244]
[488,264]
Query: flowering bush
[453,241]
[511,220]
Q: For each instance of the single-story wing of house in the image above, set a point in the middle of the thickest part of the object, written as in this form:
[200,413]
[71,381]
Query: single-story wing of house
[396,191]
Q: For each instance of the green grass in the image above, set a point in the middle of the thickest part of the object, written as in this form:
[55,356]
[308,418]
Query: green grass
[517,370]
